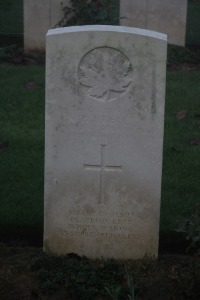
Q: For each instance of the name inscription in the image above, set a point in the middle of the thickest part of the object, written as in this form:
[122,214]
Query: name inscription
[110,225]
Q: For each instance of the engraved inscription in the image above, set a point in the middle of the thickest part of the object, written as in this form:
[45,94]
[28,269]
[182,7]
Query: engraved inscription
[102,168]
[101,225]
[105,73]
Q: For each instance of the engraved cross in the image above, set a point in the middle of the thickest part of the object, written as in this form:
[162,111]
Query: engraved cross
[102,168]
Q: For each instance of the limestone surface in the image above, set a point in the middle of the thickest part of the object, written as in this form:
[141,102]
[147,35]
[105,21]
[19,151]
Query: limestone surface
[39,17]
[166,16]
[105,95]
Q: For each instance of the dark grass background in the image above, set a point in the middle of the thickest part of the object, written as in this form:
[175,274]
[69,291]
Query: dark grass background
[21,162]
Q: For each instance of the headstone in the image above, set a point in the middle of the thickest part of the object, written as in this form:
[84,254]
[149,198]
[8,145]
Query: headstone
[39,16]
[105,91]
[166,16]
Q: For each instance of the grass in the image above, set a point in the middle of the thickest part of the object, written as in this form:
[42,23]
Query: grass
[22,125]
[180,189]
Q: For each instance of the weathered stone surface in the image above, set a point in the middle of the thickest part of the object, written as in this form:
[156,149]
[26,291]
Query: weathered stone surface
[39,16]
[105,91]
[166,16]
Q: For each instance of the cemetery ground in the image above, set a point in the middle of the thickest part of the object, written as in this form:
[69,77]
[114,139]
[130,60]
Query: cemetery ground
[25,271]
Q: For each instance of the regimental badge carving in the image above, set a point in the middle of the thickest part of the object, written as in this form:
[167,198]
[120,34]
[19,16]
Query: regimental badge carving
[105,73]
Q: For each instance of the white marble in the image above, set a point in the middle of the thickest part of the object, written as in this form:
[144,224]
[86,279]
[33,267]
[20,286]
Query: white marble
[105,95]
[166,16]
[39,16]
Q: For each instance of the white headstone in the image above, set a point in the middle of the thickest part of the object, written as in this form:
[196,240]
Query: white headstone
[39,16]
[105,94]
[166,16]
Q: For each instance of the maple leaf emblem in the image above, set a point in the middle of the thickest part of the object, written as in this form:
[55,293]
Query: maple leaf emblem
[105,73]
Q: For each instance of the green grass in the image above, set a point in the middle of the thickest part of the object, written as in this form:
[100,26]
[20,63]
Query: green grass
[22,125]
[181,165]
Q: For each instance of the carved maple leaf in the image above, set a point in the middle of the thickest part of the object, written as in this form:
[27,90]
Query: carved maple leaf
[104,72]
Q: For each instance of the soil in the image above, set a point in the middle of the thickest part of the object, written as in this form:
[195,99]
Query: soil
[171,277]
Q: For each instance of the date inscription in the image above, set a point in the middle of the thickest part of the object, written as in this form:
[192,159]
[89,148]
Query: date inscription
[111,225]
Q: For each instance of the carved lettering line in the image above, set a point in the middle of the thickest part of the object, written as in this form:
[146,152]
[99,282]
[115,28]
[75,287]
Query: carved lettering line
[100,213]
[88,220]
[98,234]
